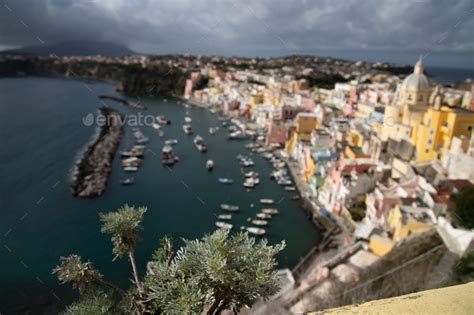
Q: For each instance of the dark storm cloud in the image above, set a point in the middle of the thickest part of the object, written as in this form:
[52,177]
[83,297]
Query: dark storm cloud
[228,27]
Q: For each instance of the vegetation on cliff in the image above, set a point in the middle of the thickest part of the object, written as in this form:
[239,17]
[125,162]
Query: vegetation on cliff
[218,272]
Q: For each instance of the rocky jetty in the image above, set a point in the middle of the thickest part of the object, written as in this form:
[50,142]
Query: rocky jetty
[94,168]
[123,101]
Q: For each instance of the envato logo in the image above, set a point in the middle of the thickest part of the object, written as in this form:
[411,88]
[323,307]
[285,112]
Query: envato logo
[100,120]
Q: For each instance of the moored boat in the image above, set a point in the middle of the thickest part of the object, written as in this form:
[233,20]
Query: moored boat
[127,181]
[264,216]
[200,144]
[256,231]
[130,168]
[226,181]
[188,119]
[188,129]
[224,216]
[290,188]
[228,207]
[260,222]
[270,211]
[267,201]
[210,165]
[162,120]
[167,155]
[171,142]
[224,225]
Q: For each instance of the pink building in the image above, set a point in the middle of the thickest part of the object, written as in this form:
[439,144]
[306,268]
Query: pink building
[276,134]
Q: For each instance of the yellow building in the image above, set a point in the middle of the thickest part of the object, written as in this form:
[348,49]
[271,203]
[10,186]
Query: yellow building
[408,220]
[306,123]
[417,115]
[433,136]
[380,245]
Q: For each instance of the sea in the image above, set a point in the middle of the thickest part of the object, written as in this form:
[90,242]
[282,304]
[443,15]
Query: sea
[45,126]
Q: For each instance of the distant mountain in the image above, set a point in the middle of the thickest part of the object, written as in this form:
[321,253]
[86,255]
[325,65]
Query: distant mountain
[75,48]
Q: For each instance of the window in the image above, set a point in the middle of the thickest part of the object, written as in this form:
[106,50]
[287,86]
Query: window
[427,151]
[409,97]
[420,98]
[430,142]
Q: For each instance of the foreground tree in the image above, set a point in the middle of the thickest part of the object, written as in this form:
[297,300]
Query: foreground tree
[464,207]
[220,271]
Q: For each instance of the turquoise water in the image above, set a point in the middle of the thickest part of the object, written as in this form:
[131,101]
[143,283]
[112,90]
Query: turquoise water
[42,134]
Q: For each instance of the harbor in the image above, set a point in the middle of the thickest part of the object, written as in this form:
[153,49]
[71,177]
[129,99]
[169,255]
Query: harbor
[183,200]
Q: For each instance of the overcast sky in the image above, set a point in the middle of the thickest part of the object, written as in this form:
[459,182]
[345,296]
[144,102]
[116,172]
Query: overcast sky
[267,27]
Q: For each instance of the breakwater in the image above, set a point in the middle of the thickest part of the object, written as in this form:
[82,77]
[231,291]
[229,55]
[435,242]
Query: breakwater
[94,168]
[123,101]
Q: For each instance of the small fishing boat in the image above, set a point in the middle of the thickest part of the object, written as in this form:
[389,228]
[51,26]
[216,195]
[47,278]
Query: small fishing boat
[161,133]
[127,181]
[267,201]
[162,120]
[237,135]
[246,162]
[212,130]
[290,188]
[200,144]
[188,129]
[264,216]
[228,207]
[209,165]
[130,168]
[167,156]
[156,126]
[260,222]
[226,181]
[249,183]
[251,174]
[270,211]
[256,231]
[188,119]
[284,182]
[224,225]
[171,142]
[295,197]
[224,216]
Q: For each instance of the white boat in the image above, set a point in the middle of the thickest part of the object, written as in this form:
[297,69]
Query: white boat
[188,129]
[167,155]
[228,207]
[246,162]
[210,165]
[270,211]
[224,216]
[284,182]
[200,144]
[213,130]
[267,201]
[290,188]
[171,142]
[162,120]
[224,225]
[260,222]
[130,168]
[188,119]
[224,180]
[127,181]
[249,184]
[256,231]
[251,174]
[264,216]
[156,126]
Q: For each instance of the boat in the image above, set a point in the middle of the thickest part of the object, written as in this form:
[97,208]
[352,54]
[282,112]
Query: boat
[249,183]
[224,225]
[246,162]
[188,129]
[161,133]
[256,231]
[156,126]
[270,211]
[260,222]
[228,207]
[167,155]
[171,142]
[200,144]
[187,119]
[290,188]
[237,135]
[264,216]
[224,216]
[251,174]
[224,180]
[267,201]
[284,182]
[130,168]
[213,130]
[136,150]
[295,197]
[162,120]
[131,161]
[127,181]
[210,165]
[142,140]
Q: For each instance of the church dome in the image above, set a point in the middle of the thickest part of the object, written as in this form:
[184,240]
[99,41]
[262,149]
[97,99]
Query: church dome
[417,80]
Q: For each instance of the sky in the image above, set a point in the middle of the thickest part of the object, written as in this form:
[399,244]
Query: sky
[249,28]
